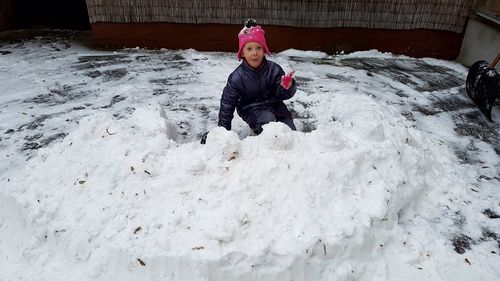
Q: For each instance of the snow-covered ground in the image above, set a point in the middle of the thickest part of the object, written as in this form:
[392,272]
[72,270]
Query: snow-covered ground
[393,175]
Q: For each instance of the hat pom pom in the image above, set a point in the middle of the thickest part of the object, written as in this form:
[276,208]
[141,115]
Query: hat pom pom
[250,22]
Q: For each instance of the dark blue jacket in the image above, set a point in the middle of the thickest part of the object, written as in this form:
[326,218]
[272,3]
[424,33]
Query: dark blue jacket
[247,87]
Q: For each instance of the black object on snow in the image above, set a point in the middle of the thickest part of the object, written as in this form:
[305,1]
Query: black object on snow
[483,86]
[204,138]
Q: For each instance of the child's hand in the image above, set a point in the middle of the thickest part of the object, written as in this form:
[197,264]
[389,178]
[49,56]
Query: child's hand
[286,80]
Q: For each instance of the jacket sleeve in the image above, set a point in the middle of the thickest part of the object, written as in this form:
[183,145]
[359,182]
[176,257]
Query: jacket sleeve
[228,102]
[282,93]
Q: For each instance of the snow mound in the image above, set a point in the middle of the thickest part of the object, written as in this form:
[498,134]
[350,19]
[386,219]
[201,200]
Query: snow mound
[372,54]
[304,54]
[153,120]
[134,204]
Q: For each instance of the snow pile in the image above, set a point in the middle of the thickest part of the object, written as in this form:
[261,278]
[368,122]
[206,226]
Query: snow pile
[121,200]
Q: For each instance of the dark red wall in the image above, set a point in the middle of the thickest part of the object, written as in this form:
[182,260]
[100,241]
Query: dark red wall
[6,17]
[221,37]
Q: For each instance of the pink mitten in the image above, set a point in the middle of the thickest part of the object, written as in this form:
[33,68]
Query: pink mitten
[286,80]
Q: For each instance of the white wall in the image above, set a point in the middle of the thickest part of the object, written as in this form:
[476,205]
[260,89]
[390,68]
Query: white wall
[481,42]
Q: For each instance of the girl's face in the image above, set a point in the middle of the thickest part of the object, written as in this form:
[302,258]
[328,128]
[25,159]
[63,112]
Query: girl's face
[253,54]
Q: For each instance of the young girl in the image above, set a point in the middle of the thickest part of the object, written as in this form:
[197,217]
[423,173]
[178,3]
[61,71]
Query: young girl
[257,87]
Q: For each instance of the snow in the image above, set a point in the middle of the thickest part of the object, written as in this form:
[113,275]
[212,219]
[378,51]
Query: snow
[382,181]
[303,54]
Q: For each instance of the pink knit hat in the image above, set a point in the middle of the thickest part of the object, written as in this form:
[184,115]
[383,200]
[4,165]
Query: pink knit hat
[251,34]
